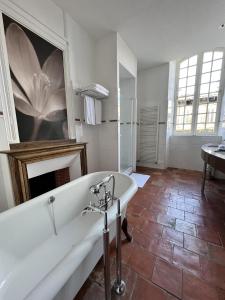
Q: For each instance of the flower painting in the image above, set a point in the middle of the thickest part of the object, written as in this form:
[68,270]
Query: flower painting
[38,84]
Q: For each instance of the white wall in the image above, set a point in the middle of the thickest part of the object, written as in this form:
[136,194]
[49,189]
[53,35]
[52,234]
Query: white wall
[152,89]
[82,54]
[170,110]
[110,52]
[185,151]
[106,74]
[126,57]
[45,11]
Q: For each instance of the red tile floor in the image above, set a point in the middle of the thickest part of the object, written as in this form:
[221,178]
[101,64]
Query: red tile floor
[178,247]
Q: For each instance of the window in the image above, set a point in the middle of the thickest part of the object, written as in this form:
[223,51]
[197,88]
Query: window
[198,99]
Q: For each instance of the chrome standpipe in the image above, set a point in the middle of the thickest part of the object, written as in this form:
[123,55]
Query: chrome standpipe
[107,281]
[104,201]
[119,285]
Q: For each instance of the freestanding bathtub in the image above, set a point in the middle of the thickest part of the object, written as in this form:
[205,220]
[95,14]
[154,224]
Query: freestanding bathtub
[37,264]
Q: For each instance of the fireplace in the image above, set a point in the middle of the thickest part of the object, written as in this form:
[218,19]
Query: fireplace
[39,167]
[46,182]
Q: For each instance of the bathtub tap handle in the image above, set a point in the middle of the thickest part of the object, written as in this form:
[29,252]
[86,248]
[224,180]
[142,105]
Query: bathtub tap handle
[91,209]
[86,210]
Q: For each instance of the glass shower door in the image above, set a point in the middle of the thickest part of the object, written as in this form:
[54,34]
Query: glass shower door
[126,134]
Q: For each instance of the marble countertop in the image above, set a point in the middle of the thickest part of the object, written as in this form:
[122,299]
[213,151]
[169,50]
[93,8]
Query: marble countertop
[212,150]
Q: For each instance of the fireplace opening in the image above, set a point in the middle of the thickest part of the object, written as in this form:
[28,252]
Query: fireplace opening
[46,182]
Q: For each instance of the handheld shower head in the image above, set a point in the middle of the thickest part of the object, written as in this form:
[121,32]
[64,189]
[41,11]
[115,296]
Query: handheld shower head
[95,189]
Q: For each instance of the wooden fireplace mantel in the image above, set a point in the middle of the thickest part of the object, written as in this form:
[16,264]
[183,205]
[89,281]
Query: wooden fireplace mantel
[22,154]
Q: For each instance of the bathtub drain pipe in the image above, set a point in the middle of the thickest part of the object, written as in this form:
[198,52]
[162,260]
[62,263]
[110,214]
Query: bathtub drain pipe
[107,280]
[51,203]
[119,285]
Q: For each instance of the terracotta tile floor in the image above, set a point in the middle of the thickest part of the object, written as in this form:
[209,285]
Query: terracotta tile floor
[178,247]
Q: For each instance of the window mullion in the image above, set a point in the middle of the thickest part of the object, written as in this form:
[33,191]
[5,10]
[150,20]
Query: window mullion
[197,92]
[220,96]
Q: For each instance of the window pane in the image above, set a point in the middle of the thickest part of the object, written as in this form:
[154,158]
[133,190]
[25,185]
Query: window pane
[182,82]
[213,97]
[181,101]
[214,87]
[190,90]
[202,108]
[200,127]
[217,65]
[192,71]
[189,100]
[201,118]
[187,127]
[191,81]
[218,55]
[206,67]
[193,60]
[216,76]
[188,109]
[210,127]
[180,119]
[179,127]
[182,92]
[184,64]
[188,119]
[212,107]
[205,78]
[183,73]
[204,88]
[211,118]
[207,56]
[180,110]
[204,98]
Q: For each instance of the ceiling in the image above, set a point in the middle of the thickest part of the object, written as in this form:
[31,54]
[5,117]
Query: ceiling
[157,31]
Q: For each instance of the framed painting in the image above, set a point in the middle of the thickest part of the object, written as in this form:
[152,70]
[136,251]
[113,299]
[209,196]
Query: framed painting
[38,84]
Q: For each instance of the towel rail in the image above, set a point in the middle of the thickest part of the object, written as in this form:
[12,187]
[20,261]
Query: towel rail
[92,93]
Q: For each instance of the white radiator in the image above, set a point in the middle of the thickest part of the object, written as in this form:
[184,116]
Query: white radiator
[149,134]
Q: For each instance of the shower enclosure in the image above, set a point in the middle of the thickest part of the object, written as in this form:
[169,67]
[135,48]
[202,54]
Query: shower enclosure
[126,99]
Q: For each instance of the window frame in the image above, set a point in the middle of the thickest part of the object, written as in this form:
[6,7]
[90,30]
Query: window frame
[198,75]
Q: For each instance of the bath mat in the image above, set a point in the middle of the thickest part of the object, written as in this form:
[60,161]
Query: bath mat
[140,179]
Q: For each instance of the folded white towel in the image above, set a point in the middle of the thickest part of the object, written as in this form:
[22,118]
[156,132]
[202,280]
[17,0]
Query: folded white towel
[89,110]
[98,87]
[98,111]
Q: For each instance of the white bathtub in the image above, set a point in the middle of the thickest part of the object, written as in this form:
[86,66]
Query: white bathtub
[35,263]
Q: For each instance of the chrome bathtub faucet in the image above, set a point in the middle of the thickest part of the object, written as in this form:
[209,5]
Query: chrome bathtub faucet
[104,202]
